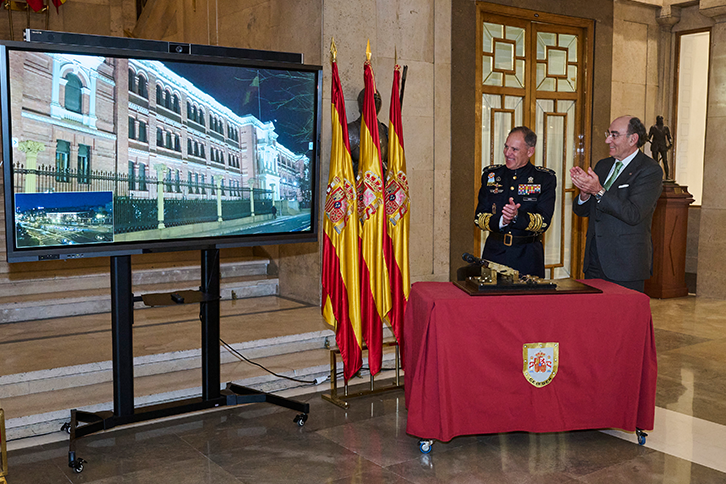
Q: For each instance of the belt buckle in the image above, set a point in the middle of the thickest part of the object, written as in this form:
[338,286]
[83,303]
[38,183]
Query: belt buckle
[508,240]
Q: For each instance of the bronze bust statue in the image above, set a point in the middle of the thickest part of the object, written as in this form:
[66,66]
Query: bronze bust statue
[354,135]
[660,140]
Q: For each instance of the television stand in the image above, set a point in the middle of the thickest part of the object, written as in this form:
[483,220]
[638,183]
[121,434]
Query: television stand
[84,423]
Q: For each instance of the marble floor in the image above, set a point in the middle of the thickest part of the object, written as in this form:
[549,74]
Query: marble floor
[259,443]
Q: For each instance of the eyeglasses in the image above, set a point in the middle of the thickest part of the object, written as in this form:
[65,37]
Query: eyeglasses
[614,134]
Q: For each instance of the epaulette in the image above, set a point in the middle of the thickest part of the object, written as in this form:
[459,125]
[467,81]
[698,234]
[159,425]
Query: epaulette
[546,170]
[491,167]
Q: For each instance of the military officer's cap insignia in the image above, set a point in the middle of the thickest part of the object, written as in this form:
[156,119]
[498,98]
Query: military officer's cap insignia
[541,362]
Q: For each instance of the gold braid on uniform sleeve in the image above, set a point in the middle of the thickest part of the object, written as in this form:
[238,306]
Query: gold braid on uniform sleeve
[482,221]
[536,223]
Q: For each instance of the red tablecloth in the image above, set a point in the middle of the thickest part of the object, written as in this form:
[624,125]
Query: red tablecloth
[464,361]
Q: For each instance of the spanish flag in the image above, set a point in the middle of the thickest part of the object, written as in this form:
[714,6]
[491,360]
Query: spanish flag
[58,3]
[340,272]
[375,286]
[398,206]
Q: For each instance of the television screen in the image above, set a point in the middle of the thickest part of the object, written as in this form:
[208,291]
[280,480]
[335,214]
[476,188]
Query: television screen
[121,151]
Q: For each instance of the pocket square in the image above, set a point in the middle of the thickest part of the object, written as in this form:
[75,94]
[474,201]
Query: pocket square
[624,186]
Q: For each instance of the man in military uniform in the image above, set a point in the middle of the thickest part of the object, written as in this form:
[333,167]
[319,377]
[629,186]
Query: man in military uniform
[516,203]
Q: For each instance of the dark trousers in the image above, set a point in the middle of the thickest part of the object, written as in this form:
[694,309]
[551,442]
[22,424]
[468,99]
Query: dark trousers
[594,271]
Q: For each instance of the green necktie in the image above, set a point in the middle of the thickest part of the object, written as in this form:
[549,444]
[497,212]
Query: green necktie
[614,175]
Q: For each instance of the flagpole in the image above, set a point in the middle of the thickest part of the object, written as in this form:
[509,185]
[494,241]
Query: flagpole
[259,91]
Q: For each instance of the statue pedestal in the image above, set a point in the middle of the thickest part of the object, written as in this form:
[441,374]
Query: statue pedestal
[669,231]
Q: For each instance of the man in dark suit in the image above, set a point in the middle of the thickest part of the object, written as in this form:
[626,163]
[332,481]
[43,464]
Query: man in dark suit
[516,203]
[619,196]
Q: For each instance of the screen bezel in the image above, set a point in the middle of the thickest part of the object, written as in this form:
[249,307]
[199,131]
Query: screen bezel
[15,254]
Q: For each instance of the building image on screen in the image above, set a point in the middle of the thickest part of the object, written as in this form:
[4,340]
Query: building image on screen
[179,159]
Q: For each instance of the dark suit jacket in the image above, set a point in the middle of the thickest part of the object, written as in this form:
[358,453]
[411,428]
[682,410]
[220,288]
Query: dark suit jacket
[621,220]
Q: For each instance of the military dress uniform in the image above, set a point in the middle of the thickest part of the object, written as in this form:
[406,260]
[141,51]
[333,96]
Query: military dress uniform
[517,245]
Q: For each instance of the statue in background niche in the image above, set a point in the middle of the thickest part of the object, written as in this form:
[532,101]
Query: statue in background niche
[660,140]
[354,135]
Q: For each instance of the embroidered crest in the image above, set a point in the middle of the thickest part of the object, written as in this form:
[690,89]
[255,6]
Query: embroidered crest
[370,192]
[338,202]
[397,200]
[530,180]
[528,189]
[490,179]
[541,361]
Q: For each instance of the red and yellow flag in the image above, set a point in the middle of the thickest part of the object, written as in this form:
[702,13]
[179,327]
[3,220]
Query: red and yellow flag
[36,5]
[58,3]
[398,204]
[340,272]
[375,286]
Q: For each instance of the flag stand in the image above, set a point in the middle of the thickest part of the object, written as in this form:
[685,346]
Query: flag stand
[342,400]
[3,449]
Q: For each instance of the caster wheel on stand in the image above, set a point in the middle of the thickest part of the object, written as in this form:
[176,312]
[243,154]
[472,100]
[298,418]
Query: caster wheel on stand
[425,446]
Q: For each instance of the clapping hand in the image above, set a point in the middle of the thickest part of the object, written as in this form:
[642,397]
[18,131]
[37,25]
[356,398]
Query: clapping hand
[587,182]
[509,211]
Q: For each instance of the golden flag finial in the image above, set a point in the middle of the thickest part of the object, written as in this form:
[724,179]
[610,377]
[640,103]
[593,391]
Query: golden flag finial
[368,51]
[333,51]
[395,57]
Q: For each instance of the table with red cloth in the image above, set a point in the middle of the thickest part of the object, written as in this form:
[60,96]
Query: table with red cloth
[463,357]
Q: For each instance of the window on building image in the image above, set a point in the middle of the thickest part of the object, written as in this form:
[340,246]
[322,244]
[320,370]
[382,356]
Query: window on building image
[142,132]
[131,80]
[132,175]
[142,91]
[73,96]
[62,160]
[177,182]
[132,128]
[159,137]
[84,164]
[142,176]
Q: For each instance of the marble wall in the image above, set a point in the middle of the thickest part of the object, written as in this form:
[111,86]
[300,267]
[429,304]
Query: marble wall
[635,62]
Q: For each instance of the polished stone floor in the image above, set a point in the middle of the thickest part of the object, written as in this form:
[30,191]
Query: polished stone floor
[259,443]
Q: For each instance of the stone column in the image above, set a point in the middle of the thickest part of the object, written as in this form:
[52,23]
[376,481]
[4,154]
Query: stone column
[712,234]
[251,182]
[31,150]
[160,173]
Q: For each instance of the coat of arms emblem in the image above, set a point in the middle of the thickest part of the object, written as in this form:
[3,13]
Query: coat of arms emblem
[541,361]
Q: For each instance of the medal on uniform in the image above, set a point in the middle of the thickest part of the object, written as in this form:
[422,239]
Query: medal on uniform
[494,208]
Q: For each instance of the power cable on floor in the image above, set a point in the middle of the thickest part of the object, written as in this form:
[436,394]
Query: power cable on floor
[239,355]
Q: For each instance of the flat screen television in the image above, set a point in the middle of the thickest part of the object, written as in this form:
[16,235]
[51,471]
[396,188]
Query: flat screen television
[116,147]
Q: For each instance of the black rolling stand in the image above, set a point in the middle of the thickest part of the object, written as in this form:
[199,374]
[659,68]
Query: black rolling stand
[122,305]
